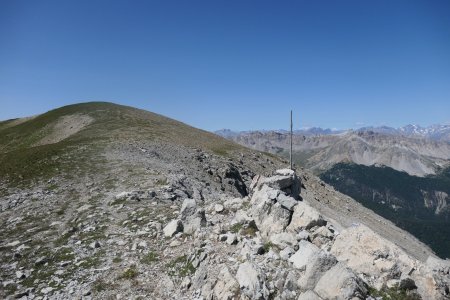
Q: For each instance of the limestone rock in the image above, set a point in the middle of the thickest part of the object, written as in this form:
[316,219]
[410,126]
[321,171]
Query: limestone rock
[270,217]
[304,254]
[218,208]
[252,281]
[233,204]
[318,264]
[340,283]
[305,217]
[226,287]
[283,240]
[193,218]
[286,253]
[309,295]
[173,228]
[287,202]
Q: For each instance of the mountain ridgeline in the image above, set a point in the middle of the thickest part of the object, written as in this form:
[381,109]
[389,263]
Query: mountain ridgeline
[99,200]
[416,204]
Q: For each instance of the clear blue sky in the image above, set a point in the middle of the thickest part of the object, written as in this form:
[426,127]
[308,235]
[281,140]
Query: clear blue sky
[232,64]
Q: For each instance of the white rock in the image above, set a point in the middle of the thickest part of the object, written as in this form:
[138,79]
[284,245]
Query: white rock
[340,283]
[20,275]
[231,239]
[173,228]
[12,244]
[143,245]
[227,286]
[305,217]
[286,201]
[94,245]
[269,216]
[123,195]
[318,264]
[303,235]
[233,204]
[302,257]
[252,281]
[286,253]
[309,295]
[47,290]
[283,240]
[218,208]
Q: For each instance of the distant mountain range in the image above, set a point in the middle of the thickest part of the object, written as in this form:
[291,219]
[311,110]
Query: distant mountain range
[319,149]
[436,132]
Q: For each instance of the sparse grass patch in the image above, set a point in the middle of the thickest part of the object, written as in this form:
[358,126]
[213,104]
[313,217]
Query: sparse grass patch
[245,229]
[150,258]
[236,228]
[100,285]
[181,266]
[394,293]
[250,229]
[93,261]
[129,273]
[63,254]
[267,246]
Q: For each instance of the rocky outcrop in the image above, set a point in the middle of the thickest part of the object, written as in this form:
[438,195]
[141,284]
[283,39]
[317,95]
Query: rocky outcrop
[269,245]
[252,281]
[191,216]
[367,253]
[341,283]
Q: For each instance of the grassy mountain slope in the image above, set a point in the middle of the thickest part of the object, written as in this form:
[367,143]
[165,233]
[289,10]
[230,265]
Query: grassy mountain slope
[416,204]
[23,158]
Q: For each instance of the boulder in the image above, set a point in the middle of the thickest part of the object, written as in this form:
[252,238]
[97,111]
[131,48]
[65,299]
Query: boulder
[188,208]
[304,254]
[287,202]
[192,217]
[286,253]
[270,217]
[283,240]
[309,295]
[340,283]
[318,264]
[367,252]
[305,217]
[285,180]
[172,228]
[303,235]
[231,239]
[232,180]
[252,281]
[233,204]
[226,287]
[218,208]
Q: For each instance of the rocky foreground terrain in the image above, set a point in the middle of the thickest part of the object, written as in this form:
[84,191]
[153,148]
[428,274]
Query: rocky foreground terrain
[99,201]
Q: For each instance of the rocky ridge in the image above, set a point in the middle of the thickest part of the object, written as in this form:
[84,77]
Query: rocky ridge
[270,244]
[143,215]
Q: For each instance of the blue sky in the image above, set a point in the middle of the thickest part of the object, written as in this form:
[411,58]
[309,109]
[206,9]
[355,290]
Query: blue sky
[232,64]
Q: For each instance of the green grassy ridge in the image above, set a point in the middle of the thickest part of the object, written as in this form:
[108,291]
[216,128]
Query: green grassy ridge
[22,162]
[360,181]
[113,120]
